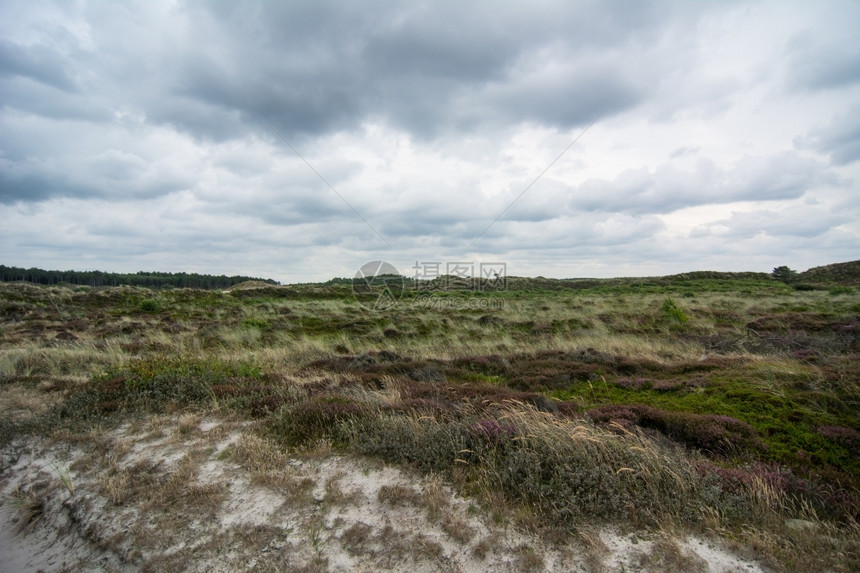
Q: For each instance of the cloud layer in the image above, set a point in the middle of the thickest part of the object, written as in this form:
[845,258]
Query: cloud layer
[298,140]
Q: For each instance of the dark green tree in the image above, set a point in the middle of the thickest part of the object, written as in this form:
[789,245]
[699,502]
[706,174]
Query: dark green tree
[784,274]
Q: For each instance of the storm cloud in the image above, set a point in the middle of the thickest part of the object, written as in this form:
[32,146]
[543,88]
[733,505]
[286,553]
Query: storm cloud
[297,140]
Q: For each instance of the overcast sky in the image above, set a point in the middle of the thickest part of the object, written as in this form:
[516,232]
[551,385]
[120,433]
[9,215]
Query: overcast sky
[299,140]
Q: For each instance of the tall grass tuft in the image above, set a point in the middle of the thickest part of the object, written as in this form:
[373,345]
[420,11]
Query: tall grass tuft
[563,469]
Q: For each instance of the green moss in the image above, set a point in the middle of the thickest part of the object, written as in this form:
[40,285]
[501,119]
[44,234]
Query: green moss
[259,323]
[785,423]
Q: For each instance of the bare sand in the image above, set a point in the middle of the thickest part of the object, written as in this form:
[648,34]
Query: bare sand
[204,494]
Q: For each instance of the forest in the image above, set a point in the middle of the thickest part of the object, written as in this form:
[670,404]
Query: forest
[156,280]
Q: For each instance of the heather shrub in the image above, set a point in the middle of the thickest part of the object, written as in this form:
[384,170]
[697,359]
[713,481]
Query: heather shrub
[319,417]
[484,397]
[491,365]
[564,470]
[428,444]
[666,385]
[424,407]
[258,400]
[741,491]
[493,432]
[572,470]
[846,437]
[154,384]
[713,434]
[634,383]
[492,429]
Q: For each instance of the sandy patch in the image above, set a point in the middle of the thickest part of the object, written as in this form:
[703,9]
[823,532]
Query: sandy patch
[208,495]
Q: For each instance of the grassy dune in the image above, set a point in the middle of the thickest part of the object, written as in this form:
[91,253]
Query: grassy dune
[712,402]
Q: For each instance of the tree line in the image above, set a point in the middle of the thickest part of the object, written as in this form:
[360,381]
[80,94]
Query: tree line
[140,278]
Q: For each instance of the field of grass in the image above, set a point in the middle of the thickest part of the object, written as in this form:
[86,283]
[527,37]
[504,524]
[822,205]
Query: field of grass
[712,402]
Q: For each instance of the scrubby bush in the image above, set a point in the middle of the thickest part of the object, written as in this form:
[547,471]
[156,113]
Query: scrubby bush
[846,437]
[428,444]
[713,434]
[572,471]
[256,323]
[153,385]
[149,305]
[562,469]
[674,312]
[493,432]
[319,417]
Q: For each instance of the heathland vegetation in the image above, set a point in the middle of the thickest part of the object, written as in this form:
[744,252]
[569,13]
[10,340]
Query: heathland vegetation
[718,402]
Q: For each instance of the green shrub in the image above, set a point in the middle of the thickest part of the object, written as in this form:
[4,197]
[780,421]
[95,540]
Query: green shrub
[152,385]
[256,323]
[837,290]
[428,444]
[149,305]
[674,312]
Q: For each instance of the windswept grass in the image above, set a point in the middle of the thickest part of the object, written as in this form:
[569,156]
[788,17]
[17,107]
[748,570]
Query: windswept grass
[707,401]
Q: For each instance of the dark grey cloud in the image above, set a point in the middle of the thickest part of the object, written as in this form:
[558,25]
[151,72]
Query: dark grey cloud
[567,99]
[112,175]
[37,62]
[799,222]
[313,68]
[786,175]
[840,139]
[821,63]
[132,131]
[16,185]
[584,232]
[683,152]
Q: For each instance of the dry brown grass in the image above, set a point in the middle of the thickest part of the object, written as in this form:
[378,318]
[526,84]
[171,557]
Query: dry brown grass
[594,551]
[258,454]
[334,492]
[28,506]
[436,499]
[458,528]
[484,546]
[666,554]
[356,537]
[189,424]
[786,548]
[399,495]
[150,485]
[529,559]
[20,402]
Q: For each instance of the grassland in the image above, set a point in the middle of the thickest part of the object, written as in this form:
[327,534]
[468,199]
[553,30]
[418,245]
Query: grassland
[707,402]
